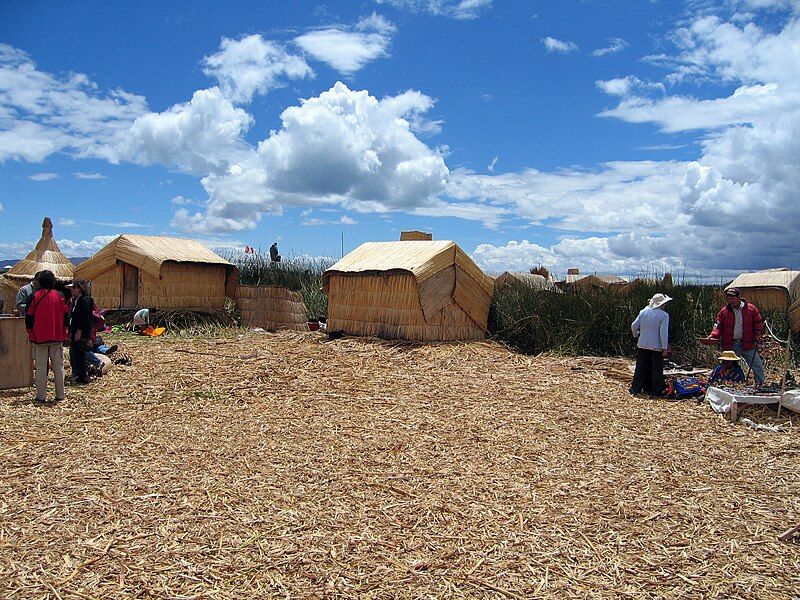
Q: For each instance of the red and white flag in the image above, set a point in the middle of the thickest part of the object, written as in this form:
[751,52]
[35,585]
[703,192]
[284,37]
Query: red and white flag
[248,250]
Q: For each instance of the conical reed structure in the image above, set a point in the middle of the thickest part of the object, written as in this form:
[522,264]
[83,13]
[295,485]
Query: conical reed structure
[46,255]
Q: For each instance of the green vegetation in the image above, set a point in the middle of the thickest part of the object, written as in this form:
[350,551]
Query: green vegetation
[302,275]
[597,323]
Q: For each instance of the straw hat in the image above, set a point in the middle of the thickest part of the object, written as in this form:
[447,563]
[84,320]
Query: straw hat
[729,355]
[658,300]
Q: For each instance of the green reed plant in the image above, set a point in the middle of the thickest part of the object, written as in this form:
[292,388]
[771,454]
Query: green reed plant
[598,322]
[299,274]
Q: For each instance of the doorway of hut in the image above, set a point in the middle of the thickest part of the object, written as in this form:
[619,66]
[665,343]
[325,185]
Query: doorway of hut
[130,286]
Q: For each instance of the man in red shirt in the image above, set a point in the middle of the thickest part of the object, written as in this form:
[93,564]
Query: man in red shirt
[738,328]
[49,332]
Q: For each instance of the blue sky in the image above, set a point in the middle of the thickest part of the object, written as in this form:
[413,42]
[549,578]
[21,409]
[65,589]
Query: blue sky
[614,136]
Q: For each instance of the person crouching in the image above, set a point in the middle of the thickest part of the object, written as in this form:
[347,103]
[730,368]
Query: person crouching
[651,327]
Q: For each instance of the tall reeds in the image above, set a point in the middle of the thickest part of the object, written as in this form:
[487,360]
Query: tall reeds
[300,274]
[598,322]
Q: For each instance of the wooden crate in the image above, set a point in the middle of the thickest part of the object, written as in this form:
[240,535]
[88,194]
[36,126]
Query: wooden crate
[16,359]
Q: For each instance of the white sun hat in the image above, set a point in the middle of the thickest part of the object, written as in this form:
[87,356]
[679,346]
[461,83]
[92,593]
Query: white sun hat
[658,300]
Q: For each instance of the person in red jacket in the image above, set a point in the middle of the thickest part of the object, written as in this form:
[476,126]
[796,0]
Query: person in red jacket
[49,332]
[738,328]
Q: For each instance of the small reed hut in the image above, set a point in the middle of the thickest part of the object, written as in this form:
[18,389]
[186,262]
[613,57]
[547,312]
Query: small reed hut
[272,307]
[410,290]
[592,282]
[46,255]
[774,289]
[135,271]
[537,282]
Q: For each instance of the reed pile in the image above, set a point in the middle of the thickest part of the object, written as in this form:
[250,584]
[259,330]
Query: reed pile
[249,465]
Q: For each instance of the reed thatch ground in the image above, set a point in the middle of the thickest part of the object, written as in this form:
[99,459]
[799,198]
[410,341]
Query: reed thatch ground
[286,465]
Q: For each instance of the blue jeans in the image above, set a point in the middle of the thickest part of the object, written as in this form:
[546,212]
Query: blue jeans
[92,359]
[751,359]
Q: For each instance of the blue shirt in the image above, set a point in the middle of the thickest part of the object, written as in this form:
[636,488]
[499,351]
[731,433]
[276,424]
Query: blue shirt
[735,375]
[652,329]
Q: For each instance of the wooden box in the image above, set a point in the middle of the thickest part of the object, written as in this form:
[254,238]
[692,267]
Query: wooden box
[16,354]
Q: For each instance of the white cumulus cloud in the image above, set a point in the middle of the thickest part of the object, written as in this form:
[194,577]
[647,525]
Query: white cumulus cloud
[348,49]
[342,147]
[201,136]
[253,65]
[84,247]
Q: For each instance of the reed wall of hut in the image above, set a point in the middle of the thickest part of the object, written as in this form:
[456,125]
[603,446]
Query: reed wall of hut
[388,306]
[272,307]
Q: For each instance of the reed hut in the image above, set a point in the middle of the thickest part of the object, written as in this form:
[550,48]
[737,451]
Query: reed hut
[773,289]
[272,307]
[135,271]
[537,282]
[46,255]
[410,290]
[794,316]
[597,281]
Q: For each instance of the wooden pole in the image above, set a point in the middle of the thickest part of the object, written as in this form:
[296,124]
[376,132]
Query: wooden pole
[785,370]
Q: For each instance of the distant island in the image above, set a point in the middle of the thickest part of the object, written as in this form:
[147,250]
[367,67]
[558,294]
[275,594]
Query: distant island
[12,261]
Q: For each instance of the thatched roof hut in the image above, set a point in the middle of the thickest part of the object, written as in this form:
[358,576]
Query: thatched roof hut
[770,289]
[794,316]
[45,256]
[598,281]
[413,290]
[595,281]
[537,282]
[135,271]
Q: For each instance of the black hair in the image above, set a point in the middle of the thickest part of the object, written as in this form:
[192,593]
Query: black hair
[46,279]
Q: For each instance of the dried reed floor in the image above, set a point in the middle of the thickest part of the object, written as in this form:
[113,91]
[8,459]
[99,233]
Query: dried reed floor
[288,466]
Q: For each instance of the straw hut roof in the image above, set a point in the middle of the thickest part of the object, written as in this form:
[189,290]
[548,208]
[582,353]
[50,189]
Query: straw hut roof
[780,279]
[424,260]
[46,255]
[538,282]
[574,277]
[608,279]
[148,253]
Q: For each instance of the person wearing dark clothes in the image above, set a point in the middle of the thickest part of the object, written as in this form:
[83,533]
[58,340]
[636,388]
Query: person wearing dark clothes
[49,310]
[651,328]
[273,253]
[80,329]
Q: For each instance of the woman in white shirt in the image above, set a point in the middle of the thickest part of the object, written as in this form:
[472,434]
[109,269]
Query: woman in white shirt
[651,328]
